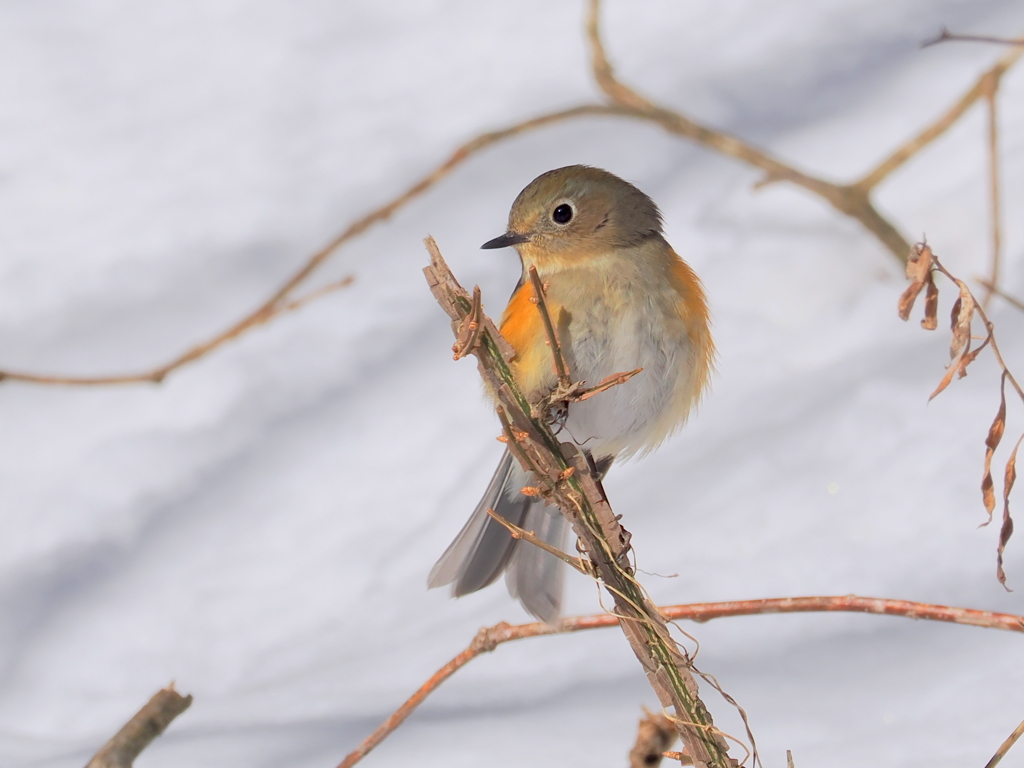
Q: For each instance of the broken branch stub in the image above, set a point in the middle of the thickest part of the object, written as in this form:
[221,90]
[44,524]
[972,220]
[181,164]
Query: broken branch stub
[148,723]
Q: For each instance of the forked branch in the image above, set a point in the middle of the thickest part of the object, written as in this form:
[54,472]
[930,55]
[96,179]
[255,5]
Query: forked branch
[849,199]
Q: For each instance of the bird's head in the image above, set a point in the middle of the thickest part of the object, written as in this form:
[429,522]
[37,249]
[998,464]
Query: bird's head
[569,215]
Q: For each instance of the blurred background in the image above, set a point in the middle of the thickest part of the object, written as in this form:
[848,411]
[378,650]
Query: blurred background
[259,527]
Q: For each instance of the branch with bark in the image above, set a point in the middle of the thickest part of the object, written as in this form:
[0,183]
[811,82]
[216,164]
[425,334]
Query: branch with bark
[564,478]
[851,199]
[489,638]
[137,734]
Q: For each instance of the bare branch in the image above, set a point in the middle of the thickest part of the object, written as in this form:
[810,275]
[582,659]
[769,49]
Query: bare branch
[945,36]
[564,477]
[988,81]
[1001,293]
[851,200]
[148,723]
[531,537]
[605,384]
[993,190]
[1005,746]
[489,638]
[319,293]
[272,306]
[561,371]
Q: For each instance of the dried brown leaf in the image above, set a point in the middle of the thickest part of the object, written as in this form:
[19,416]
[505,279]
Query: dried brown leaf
[931,305]
[960,344]
[945,381]
[907,299]
[971,356]
[919,267]
[1007,530]
[919,264]
[995,435]
[960,321]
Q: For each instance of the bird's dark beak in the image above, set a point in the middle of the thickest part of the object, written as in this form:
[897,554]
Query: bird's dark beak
[504,241]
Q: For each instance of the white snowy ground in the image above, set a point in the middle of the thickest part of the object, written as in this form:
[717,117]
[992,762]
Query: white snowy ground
[259,528]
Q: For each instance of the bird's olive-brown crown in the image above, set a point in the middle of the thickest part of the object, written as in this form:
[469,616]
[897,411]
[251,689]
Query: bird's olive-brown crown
[579,208]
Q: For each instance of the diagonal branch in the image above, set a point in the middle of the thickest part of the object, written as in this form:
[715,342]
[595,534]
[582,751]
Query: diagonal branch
[988,82]
[267,312]
[564,478]
[851,200]
[529,536]
[489,638]
[946,36]
[148,723]
[995,204]
[281,300]
[1005,746]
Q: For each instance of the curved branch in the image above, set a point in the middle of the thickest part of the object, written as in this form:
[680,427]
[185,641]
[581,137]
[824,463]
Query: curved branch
[851,200]
[278,302]
[489,638]
[985,86]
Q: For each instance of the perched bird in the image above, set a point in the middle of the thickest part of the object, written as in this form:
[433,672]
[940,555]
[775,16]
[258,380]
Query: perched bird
[621,299]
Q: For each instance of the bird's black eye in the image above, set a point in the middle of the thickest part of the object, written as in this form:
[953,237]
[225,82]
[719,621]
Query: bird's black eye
[562,214]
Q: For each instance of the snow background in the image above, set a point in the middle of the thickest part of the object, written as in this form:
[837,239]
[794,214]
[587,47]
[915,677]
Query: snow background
[259,528]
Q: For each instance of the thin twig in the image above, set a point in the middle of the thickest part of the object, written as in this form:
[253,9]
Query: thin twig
[680,757]
[990,327]
[976,92]
[561,371]
[270,308]
[922,266]
[1001,293]
[489,638]
[946,36]
[605,384]
[263,315]
[148,723]
[319,293]
[1005,746]
[850,199]
[531,537]
[993,177]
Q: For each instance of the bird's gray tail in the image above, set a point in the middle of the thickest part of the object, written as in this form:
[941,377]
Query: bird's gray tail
[484,547]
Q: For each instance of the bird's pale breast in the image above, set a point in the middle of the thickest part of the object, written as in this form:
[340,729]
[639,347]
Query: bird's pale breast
[617,314]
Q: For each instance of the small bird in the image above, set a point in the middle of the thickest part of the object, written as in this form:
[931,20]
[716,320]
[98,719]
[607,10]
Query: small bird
[621,299]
